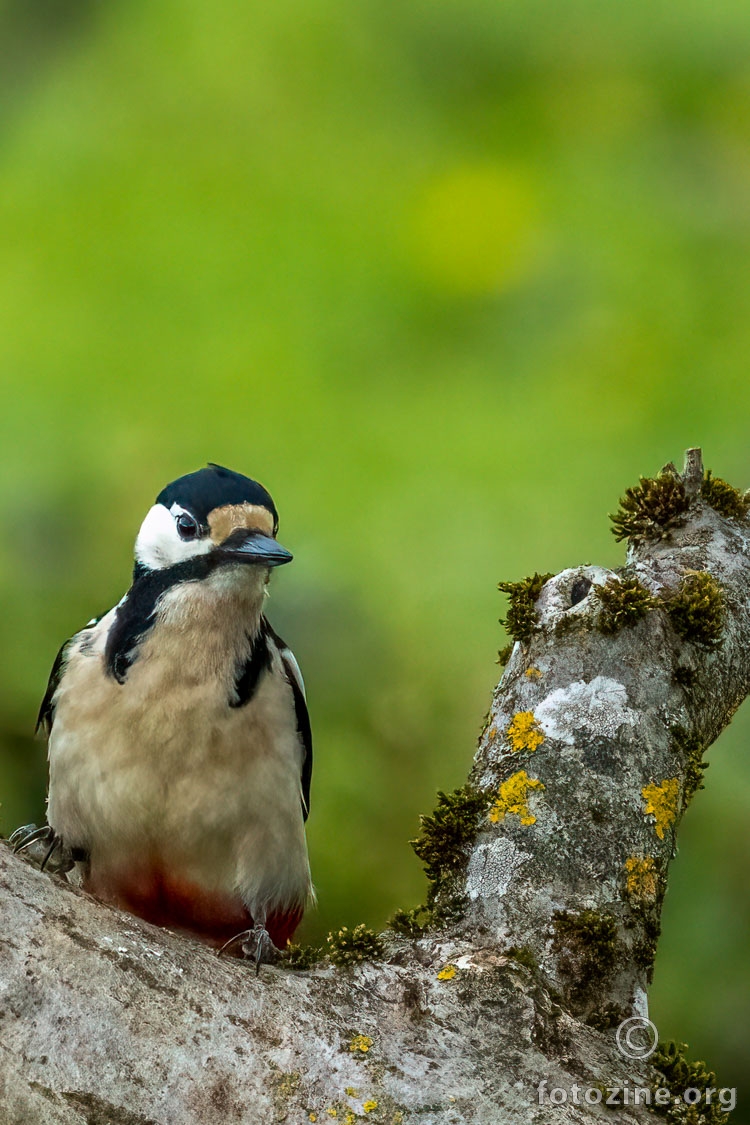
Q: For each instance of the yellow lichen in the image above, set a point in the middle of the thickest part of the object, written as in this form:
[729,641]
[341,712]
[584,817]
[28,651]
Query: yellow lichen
[448,972]
[332,1111]
[351,1092]
[533,673]
[524,733]
[369,1105]
[512,797]
[287,1084]
[351,1117]
[661,803]
[641,878]
[312,1117]
[361,1043]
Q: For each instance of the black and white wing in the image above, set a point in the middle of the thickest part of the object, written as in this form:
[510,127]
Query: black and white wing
[46,714]
[297,684]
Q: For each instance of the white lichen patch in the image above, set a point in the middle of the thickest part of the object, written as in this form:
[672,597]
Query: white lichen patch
[598,708]
[492,868]
[640,1003]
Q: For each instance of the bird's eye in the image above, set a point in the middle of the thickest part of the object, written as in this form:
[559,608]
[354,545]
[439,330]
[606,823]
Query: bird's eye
[187,526]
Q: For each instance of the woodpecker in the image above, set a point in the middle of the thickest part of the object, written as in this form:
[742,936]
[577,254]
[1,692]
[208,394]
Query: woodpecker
[179,742]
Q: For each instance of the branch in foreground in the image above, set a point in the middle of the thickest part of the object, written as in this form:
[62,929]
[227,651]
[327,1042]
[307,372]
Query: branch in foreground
[547,889]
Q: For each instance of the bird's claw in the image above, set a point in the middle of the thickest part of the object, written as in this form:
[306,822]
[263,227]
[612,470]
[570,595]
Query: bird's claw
[43,847]
[255,945]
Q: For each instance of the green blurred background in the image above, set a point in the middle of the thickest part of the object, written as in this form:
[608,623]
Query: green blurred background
[446,277]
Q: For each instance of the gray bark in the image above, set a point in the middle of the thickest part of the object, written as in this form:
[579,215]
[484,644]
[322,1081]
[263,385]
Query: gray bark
[105,1019]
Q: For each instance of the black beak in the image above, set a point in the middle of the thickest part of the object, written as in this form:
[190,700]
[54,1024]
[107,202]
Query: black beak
[254,547]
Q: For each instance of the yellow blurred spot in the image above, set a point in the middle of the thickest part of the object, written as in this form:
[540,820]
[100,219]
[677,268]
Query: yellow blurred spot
[361,1043]
[370,1105]
[332,1111]
[533,673]
[475,229]
[524,732]
[312,1117]
[351,1092]
[661,803]
[448,972]
[512,797]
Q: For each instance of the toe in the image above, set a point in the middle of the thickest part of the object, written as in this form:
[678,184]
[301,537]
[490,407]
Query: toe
[17,838]
[237,940]
[43,848]
[30,836]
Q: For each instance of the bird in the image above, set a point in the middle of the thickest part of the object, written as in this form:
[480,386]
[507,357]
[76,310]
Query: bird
[179,739]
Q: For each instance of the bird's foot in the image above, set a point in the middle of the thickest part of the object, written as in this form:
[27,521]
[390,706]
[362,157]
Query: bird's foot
[43,847]
[255,945]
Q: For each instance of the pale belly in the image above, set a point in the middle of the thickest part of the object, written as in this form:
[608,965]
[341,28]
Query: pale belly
[187,808]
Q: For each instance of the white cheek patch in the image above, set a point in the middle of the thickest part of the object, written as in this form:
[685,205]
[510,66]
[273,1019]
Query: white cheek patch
[159,544]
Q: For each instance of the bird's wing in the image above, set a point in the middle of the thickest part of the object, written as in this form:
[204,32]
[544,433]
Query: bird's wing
[297,684]
[46,714]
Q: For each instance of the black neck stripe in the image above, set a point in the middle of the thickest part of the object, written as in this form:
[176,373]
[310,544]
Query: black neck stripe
[136,616]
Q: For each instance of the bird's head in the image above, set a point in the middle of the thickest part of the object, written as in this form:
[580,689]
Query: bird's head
[211,518]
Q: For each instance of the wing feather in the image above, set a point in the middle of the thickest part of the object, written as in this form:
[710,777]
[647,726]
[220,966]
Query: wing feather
[46,715]
[294,676]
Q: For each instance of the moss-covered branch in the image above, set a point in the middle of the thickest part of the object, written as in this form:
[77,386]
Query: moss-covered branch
[628,677]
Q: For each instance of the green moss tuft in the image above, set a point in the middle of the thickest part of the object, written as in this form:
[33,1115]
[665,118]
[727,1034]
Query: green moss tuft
[725,498]
[445,836]
[522,617]
[504,654]
[446,910]
[675,1073]
[644,950]
[683,676]
[697,609]
[694,781]
[350,947]
[587,948]
[300,957]
[651,509]
[447,832]
[570,623]
[524,956]
[691,749]
[624,602]
[607,1016]
[410,923]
